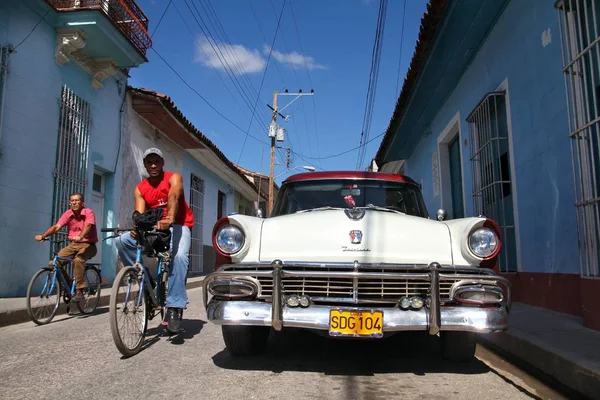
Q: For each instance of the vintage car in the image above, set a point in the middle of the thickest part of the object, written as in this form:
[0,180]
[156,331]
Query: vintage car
[354,254]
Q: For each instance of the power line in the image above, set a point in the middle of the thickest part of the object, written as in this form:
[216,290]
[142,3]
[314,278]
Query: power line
[161,18]
[373,77]
[204,99]
[264,74]
[401,43]
[301,156]
[309,78]
[30,33]
[287,49]
[342,153]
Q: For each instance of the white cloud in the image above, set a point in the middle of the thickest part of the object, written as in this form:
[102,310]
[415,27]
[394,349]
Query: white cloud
[294,59]
[241,59]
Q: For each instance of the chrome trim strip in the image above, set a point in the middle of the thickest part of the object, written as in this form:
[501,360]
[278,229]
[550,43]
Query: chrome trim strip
[350,265]
[468,319]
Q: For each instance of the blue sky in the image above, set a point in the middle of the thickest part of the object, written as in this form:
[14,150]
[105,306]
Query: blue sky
[328,43]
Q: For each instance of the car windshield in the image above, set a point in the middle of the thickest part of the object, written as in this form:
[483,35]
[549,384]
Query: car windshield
[344,193]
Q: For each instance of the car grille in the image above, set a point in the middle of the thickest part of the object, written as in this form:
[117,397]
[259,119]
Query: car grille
[369,289]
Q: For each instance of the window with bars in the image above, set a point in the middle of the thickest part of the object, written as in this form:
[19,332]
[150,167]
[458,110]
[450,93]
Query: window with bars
[197,207]
[490,160]
[70,172]
[580,44]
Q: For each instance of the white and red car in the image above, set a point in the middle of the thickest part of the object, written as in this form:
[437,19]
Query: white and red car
[355,254]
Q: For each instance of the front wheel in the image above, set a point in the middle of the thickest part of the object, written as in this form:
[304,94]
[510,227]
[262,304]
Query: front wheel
[127,311]
[43,296]
[92,292]
[458,346]
[245,340]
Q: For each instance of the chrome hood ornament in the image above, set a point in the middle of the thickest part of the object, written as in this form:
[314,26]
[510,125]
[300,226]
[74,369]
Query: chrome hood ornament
[355,214]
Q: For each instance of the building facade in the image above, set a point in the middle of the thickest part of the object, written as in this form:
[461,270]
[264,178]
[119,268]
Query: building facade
[499,116]
[63,84]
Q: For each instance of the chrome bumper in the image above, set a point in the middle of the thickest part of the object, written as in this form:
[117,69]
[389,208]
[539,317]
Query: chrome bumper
[432,319]
[468,319]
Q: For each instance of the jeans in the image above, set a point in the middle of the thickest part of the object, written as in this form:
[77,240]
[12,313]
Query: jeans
[180,250]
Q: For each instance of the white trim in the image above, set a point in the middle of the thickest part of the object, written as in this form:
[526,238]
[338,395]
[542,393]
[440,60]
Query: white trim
[451,131]
[513,175]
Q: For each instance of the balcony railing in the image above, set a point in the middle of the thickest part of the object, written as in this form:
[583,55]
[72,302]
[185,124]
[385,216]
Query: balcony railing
[126,15]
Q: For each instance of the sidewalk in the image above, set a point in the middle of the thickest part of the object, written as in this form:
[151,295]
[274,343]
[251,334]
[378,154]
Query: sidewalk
[14,310]
[551,344]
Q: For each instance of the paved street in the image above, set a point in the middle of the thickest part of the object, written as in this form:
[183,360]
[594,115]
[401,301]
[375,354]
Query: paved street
[75,357]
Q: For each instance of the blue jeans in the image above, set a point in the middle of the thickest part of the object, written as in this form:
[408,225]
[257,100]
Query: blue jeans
[180,250]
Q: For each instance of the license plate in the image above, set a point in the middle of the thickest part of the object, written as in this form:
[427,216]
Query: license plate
[356,323]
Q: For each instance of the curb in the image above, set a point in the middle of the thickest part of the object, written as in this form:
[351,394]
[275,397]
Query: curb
[12,317]
[573,379]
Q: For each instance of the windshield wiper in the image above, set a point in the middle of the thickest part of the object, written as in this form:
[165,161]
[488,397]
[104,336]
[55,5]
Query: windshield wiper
[319,209]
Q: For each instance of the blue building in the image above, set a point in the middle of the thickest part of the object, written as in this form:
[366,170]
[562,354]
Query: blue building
[499,116]
[63,85]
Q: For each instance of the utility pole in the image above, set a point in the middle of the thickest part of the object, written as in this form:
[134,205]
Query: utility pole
[273,134]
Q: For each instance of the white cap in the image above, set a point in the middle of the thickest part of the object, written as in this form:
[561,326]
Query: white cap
[153,150]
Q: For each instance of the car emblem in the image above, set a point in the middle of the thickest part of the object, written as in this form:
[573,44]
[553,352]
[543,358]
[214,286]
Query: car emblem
[356,237]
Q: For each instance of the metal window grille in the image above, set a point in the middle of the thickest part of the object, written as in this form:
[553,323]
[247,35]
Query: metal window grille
[580,46]
[70,173]
[492,197]
[197,206]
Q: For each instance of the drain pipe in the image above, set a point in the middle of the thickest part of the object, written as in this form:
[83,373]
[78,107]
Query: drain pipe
[3,75]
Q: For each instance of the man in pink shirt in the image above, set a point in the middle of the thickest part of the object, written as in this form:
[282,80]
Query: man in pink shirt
[81,231]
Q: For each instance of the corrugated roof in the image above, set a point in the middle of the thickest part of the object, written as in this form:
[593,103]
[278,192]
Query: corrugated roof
[166,102]
[429,23]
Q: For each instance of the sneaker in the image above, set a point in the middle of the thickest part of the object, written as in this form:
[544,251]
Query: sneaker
[78,296]
[173,319]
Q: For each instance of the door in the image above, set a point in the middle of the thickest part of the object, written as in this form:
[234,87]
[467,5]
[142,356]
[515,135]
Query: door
[98,207]
[197,207]
[456,178]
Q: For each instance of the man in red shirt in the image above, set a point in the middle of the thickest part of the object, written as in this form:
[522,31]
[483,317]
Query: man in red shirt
[81,231]
[164,189]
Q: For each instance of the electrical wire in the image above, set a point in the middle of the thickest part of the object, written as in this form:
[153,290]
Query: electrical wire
[263,77]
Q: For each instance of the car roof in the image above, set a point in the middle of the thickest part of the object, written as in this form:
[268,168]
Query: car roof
[318,175]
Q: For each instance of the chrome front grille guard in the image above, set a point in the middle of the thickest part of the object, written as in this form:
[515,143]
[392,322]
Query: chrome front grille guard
[433,272]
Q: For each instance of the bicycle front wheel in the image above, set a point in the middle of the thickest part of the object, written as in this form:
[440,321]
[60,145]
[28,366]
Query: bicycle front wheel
[127,311]
[92,292]
[43,296]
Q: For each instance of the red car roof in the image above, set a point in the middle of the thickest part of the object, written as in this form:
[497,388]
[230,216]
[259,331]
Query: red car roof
[309,176]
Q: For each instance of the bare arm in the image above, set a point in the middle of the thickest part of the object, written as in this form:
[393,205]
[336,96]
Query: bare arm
[140,203]
[175,193]
[49,232]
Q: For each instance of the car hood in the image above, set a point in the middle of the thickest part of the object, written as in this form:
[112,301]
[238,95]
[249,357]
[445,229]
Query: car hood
[380,236]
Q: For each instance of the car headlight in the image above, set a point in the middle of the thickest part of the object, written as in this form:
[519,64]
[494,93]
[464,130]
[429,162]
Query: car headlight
[483,242]
[230,239]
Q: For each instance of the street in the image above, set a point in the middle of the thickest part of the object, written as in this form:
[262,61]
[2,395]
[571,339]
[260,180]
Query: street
[74,357]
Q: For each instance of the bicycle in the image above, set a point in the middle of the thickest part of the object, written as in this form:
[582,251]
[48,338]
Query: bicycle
[143,298]
[53,285]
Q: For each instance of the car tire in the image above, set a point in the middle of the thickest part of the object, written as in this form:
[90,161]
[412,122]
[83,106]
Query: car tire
[243,341]
[458,346]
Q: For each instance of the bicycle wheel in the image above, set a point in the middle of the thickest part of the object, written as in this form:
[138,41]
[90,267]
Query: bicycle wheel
[127,311]
[43,298]
[92,292]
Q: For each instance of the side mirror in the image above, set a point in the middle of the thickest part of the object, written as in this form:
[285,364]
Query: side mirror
[441,214]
